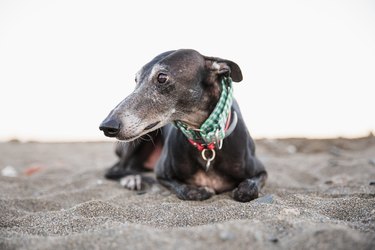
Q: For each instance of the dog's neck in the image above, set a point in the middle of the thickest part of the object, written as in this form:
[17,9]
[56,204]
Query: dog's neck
[212,128]
[199,114]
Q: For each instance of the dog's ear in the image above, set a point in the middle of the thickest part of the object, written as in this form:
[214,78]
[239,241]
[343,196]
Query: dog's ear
[224,67]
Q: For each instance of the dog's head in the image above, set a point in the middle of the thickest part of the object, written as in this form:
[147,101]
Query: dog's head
[175,85]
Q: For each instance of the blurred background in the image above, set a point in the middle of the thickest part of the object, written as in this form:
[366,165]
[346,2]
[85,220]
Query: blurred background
[308,66]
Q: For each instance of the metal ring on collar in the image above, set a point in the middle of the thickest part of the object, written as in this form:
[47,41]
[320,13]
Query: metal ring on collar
[213,154]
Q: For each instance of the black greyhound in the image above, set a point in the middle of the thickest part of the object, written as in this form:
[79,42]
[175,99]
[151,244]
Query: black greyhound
[180,92]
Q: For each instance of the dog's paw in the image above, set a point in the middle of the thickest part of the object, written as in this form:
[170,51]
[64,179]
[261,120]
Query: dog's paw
[132,182]
[246,191]
[194,193]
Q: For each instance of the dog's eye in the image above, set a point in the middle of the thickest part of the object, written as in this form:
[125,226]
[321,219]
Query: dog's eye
[162,78]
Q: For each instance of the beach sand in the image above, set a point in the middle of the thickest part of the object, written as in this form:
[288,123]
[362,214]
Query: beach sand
[320,194]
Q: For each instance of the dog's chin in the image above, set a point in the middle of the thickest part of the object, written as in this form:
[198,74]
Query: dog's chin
[128,138]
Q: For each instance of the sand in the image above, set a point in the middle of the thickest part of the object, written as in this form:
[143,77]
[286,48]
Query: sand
[320,195]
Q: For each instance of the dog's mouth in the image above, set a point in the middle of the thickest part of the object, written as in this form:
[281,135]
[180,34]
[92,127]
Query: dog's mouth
[145,130]
[128,139]
[152,125]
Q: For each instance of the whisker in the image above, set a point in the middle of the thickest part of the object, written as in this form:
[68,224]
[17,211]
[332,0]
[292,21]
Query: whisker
[143,139]
[151,139]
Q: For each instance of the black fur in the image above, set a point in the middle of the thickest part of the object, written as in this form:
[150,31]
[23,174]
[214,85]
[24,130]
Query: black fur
[191,92]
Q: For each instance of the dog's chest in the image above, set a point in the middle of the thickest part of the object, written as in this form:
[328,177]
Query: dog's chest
[211,179]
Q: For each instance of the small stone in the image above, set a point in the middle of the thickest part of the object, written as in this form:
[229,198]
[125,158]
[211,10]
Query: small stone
[140,192]
[329,182]
[372,183]
[9,171]
[291,149]
[268,199]
[99,182]
[291,211]
[273,239]
[226,235]
[372,161]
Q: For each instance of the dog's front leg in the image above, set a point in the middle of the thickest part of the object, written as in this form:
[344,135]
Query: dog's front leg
[134,156]
[127,163]
[187,192]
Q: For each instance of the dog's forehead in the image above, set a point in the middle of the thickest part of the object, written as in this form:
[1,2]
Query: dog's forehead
[177,61]
[183,59]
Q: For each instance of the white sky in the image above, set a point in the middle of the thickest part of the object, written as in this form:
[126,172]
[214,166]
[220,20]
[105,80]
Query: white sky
[308,66]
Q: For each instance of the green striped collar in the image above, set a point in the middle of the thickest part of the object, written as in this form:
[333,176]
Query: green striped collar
[212,131]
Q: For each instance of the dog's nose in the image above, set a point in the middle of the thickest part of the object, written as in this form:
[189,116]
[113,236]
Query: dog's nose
[110,127]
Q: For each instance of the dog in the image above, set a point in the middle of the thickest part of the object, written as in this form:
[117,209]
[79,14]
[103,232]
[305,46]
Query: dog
[198,144]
